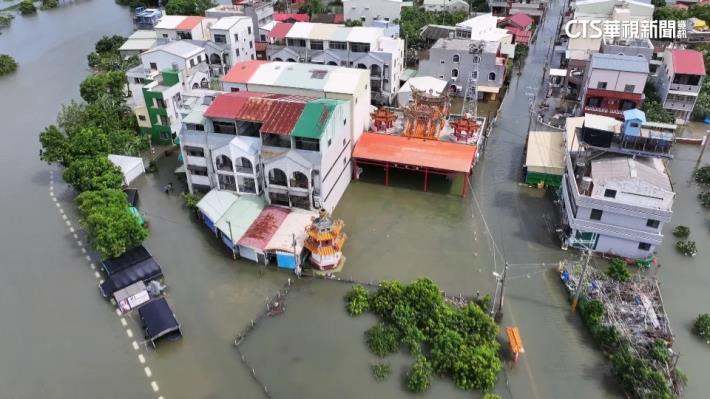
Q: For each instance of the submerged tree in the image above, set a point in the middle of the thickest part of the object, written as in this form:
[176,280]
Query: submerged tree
[7,64]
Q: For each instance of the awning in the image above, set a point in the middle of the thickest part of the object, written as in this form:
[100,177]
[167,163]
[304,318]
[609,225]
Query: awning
[545,153]
[158,320]
[180,169]
[129,258]
[558,72]
[144,271]
[488,89]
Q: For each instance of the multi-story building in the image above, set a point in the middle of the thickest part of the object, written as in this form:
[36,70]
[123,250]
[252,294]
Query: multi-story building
[260,12]
[293,150]
[367,11]
[614,84]
[533,8]
[179,27]
[236,36]
[320,81]
[156,86]
[445,5]
[466,63]
[679,81]
[357,47]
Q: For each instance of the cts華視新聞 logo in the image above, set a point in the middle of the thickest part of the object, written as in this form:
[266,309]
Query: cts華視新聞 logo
[635,29]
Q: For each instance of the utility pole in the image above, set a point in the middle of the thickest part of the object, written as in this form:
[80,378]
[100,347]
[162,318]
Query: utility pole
[231,239]
[499,314]
[702,150]
[581,279]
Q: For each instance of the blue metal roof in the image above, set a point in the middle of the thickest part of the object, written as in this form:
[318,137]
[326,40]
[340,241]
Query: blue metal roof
[635,114]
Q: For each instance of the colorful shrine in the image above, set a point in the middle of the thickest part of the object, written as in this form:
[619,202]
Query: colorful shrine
[325,241]
[425,116]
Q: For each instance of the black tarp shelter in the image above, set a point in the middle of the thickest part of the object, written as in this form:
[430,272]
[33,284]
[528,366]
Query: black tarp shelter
[129,258]
[159,321]
[145,271]
[132,196]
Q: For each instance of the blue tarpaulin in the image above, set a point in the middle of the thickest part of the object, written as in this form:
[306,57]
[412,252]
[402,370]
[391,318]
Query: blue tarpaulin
[285,261]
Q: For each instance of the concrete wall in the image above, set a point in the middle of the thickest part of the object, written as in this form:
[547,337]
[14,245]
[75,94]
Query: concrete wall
[441,65]
[368,10]
[616,81]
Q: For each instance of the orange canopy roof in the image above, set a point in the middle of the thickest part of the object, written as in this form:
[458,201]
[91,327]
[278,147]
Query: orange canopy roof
[189,23]
[415,152]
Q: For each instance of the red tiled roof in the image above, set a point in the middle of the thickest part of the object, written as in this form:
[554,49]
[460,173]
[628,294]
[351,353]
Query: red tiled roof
[521,19]
[280,30]
[189,23]
[263,228]
[281,17]
[283,117]
[242,71]
[688,62]
[522,36]
[402,150]
[228,105]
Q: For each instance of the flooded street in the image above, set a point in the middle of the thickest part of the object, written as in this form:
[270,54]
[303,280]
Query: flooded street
[59,339]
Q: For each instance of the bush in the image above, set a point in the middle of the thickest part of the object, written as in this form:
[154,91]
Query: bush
[637,376]
[357,300]
[7,64]
[89,174]
[618,270]
[702,175]
[705,198]
[491,396]
[419,375]
[702,327]
[681,231]
[5,19]
[659,352]
[190,201]
[27,7]
[382,339]
[381,371]
[687,248]
[49,4]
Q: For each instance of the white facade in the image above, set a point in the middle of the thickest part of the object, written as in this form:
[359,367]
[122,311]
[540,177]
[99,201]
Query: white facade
[619,208]
[367,11]
[446,5]
[178,27]
[237,34]
[179,54]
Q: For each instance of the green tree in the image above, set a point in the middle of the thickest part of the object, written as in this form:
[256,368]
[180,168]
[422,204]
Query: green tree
[49,4]
[312,7]
[656,113]
[381,371]
[491,396]
[357,300]
[702,105]
[95,86]
[27,7]
[188,7]
[5,19]
[382,339]
[89,174]
[353,22]
[681,231]
[419,375]
[383,301]
[476,367]
[91,201]
[445,350]
[658,3]
[702,175]
[109,44]
[113,230]
[7,64]
[618,270]
[702,326]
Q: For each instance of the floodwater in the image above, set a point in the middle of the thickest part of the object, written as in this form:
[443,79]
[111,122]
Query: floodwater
[59,339]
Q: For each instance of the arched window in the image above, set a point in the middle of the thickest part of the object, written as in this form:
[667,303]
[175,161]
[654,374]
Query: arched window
[362,66]
[277,59]
[224,163]
[476,59]
[290,60]
[492,76]
[243,165]
[332,63]
[474,74]
[214,59]
[277,177]
[456,58]
[375,70]
[299,180]
[204,83]
[454,73]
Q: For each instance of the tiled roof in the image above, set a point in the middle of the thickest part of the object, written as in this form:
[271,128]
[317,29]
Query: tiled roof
[521,19]
[689,62]
[280,30]
[281,17]
[189,23]
[241,72]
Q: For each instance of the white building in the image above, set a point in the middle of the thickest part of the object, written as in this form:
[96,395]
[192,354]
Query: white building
[616,205]
[179,27]
[358,47]
[446,5]
[484,28]
[293,150]
[319,81]
[138,42]
[367,11]
[237,36]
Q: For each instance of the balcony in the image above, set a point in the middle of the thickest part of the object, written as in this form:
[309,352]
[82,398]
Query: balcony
[201,180]
[196,161]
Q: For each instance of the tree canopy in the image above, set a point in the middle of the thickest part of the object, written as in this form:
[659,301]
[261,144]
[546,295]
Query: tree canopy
[652,106]
[27,7]
[188,7]
[312,7]
[113,229]
[413,19]
[7,64]
[111,83]
[89,174]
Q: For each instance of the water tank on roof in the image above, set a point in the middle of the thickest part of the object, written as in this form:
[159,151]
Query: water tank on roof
[585,186]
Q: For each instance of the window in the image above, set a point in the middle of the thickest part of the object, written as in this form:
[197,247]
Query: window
[596,214]
[160,103]
[236,37]
[653,223]
[316,45]
[360,47]
[220,38]
[296,42]
[476,59]
[474,74]
[338,45]
[224,127]
[251,44]
[249,29]
[456,58]
[441,76]
[644,246]
[594,102]
[141,117]
[629,88]
[165,135]
[601,85]
[610,193]
[492,76]
[153,66]
[138,80]
[442,62]
[363,19]
[345,121]
[165,35]
[237,52]
[454,73]
[192,62]
[634,124]
[234,89]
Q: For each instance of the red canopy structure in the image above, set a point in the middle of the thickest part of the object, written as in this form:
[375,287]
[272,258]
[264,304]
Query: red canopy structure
[427,156]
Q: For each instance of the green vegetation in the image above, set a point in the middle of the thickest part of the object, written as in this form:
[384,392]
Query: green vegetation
[687,248]
[91,174]
[49,4]
[356,300]
[681,231]
[381,371]
[5,19]
[106,56]
[96,85]
[27,7]
[419,375]
[702,327]
[652,106]
[353,22]
[705,198]
[696,11]
[702,175]
[190,201]
[456,342]
[413,19]
[618,270]
[188,7]
[659,352]
[491,396]
[7,64]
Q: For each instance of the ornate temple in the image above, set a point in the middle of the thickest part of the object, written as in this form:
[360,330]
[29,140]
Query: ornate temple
[425,116]
[325,241]
[466,129]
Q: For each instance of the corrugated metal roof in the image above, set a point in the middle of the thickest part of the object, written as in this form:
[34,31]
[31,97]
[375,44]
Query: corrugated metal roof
[255,109]
[314,118]
[189,23]
[415,152]
[545,152]
[263,228]
[169,21]
[300,30]
[228,105]
[242,71]
[215,203]
[322,31]
[283,117]
[240,216]
[614,62]
[294,225]
[280,30]
[688,62]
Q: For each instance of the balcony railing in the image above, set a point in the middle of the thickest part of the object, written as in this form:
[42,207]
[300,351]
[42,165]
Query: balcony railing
[603,111]
[244,169]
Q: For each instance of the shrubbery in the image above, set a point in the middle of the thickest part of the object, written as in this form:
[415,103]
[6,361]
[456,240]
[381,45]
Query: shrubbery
[702,326]
[419,375]
[7,64]
[382,340]
[381,371]
[27,7]
[618,270]
[681,231]
[687,248]
[356,300]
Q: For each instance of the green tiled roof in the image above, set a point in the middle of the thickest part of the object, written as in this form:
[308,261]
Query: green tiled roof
[314,118]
